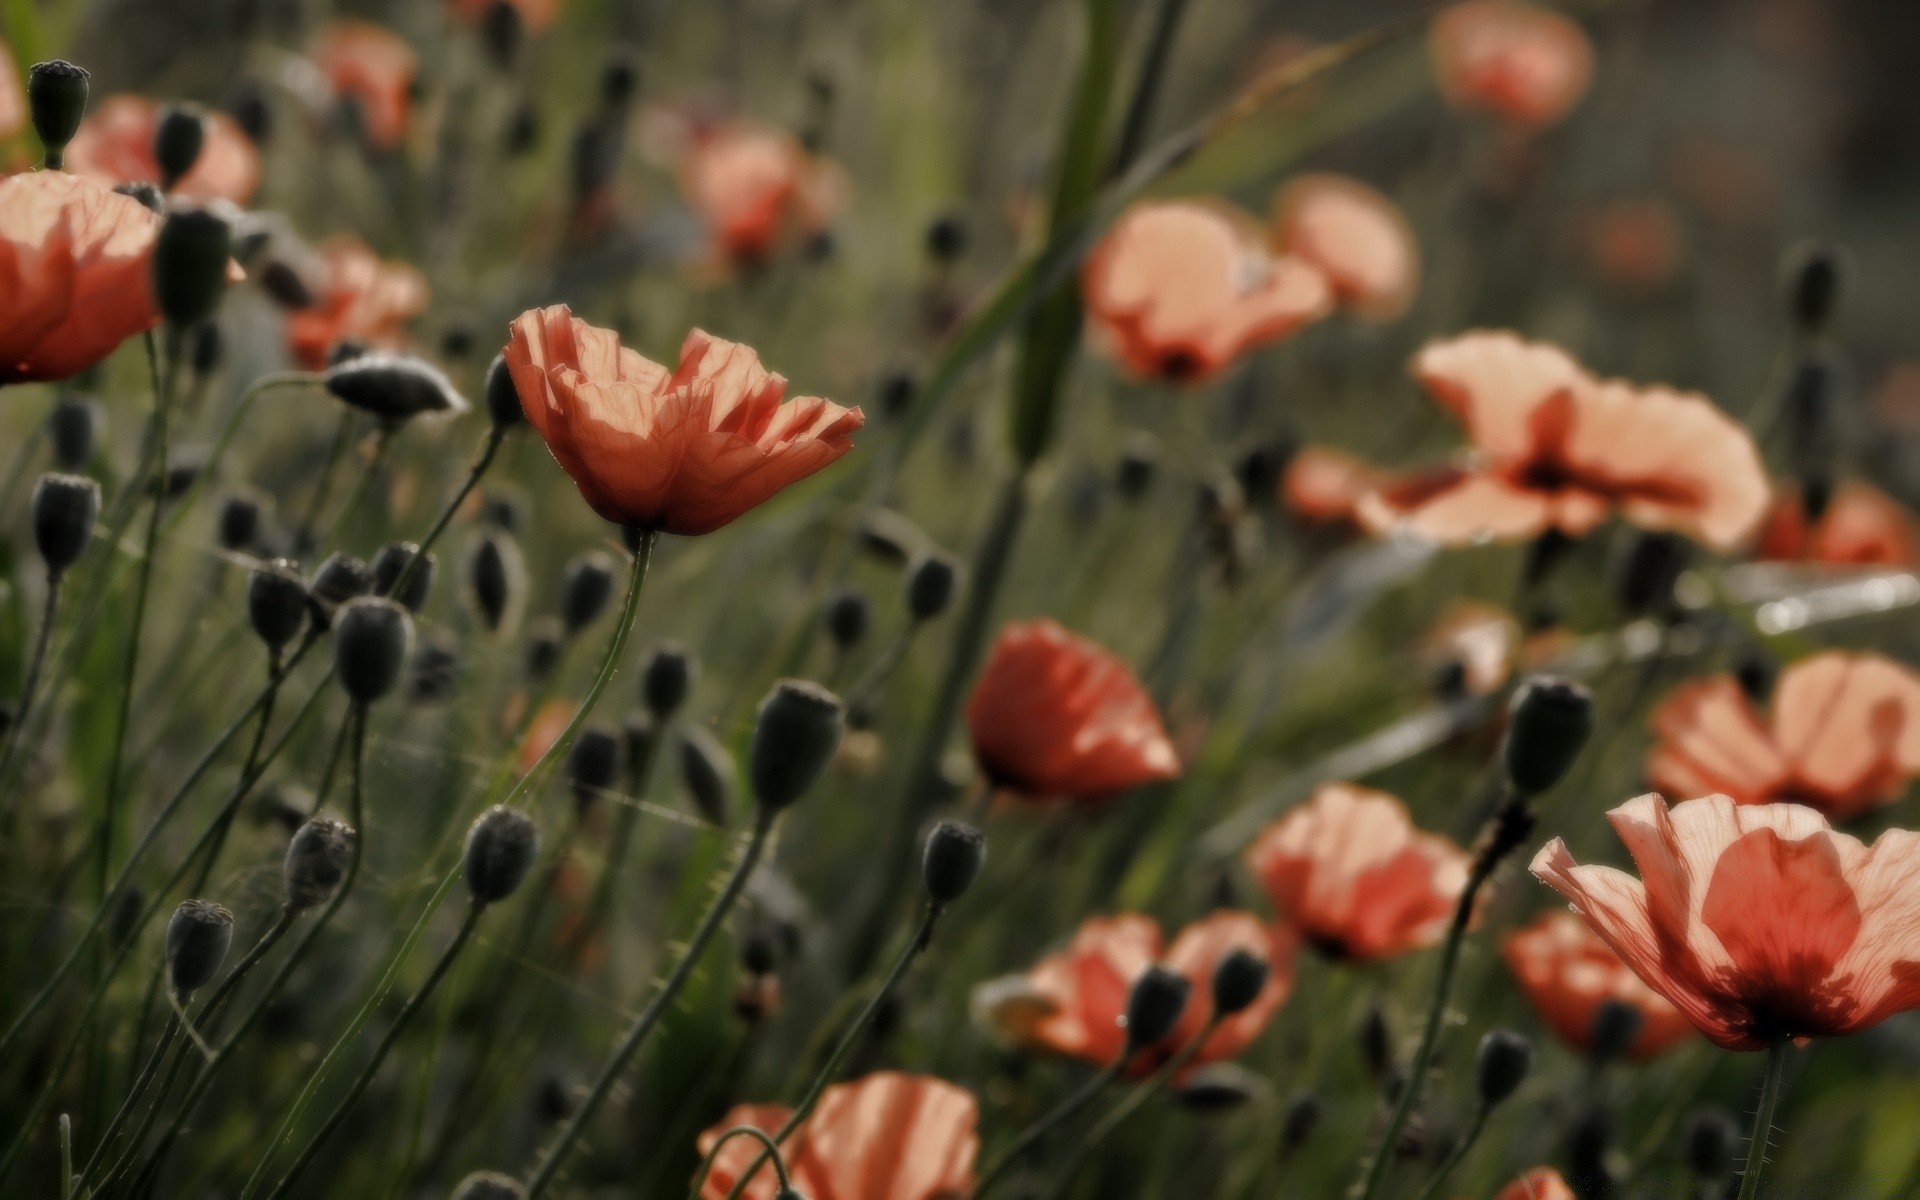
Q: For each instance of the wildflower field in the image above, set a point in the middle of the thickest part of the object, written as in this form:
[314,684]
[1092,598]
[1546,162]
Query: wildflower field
[886,600]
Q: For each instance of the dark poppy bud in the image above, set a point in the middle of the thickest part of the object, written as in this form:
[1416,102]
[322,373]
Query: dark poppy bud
[1547,725]
[1755,672]
[708,771]
[1154,1006]
[1649,570]
[124,911]
[1612,1032]
[586,588]
[372,641]
[145,195]
[391,563]
[500,33]
[890,536]
[183,470]
[666,679]
[503,399]
[1238,980]
[198,938]
[1221,1088]
[554,1102]
[759,951]
[1138,462]
[237,526]
[190,265]
[1301,1118]
[252,112]
[1501,1065]
[435,672]
[206,349]
[795,734]
[345,350]
[848,615]
[504,509]
[1258,469]
[489,1185]
[317,860]
[393,387]
[1712,1137]
[619,79]
[1594,1164]
[955,853]
[1815,278]
[57,99]
[276,602]
[931,580]
[896,393]
[341,577]
[496,578]
[946,238]
[501,847]
[74,426]
[177,138]
[593,764]
[1376,1042]
[64,510]
[286,286]
[544,639]
[522,130]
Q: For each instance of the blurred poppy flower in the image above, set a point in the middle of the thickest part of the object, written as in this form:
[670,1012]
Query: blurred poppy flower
[1759,922]
[359,298]
[13,97]
[1861,526]
[115,145]
[1519,62]
[1541,1183]
[1634,245]
[1177,290]
[1478,640]
[682,451]
[1844,736]
[1559,449]
[888,1136]
[542,732]
[757,188]
[536,16]
[1054,714]
[1358,239]
[1570,975]
[74,256]
[1352,873]
[1323,486]
[373,69]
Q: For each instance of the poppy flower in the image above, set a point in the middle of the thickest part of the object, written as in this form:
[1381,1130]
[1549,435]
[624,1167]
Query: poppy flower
[1541,1183]
[1479,640]
[677,451]
[373,68]
[75,257]
[1557,448]
[13,97]
[756,188]
[115,145]
[1635,245]
[1352,873]
[1519,62]
[1177,290]
[1844,737]
[1757,921]
[359,298]
[888,1136]
[1570,974]
[1357,237]
[1861,526]
[1057,715]
[536,16]
[1324,486]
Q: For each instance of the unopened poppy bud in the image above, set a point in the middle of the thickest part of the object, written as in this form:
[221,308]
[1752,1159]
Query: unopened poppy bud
[1815,278]
[501,847]
[931,580]
[1546,727]
[666,679]
[955,853]
[1154,1006]
[237,526]
[190,265]
[1501,1065]
[1302,1117]
[504,510]
[708,772]
[74,426]
[1238,980]
[392,563]
[500,33]
[372,641]
[435,673]
[896,393]
[890,536]
[593,763]
[795,734]
[1222,1087]
[177,138]
[503,398]
[586,588]
[1649,570]
[619,79]
[145,195]
[759,951]
[198,938]
[1755,673]
[496,578]
[124,910]
[341,578]
[276,602]
[1613,1029]
[1592,1157]
[848,615]
[393,387]
[1712,1136]
[252,112]
[946,238]
[317,860]
[555,1101]
[1376,1042]
[1258,470]
[490,1185]
[1138,462]
[57,99]
[64,510]
[544,639]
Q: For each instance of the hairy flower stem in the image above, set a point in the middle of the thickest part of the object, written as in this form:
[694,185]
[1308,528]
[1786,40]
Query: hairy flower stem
[1770,1088]
[488,450]
[1130,1104]
[1061,1113]
[15,736]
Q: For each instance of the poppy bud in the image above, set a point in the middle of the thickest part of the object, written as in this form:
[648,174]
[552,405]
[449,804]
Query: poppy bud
[317,860]
[931,579]
[946,238]
[554,1102]
[285,286]
[490,1185]
[759,951]
[1376,1042]
[177,138]
[145,195]
[586,588]
[1154,1005]
[496,578]
[391,563]
[64,510]
[435,674]
[75,427]
[890,536]
[1815,276]
[500,33]
[372,640]
[1594,1166]
[848,615]
[57,98]
[522,131]
[124,910]
[619,79]
[1649,571]
[896,393]
[708,772]
[1755,672]
[795,734]
[198,938]
[1138,463]
[341,578]
[276,602]
[501,847]
[1301,1118]
[954,855]
[1614,1027]
[1258,469]
[503,399]
[237,526]
[1501,1065]
[190,265]
[1712,1136]
[1546,727]
[1222,1087]
[393,387]
[252,112]
[1238,980]
[544,638]
[593,763]
[504,510]
[666,679]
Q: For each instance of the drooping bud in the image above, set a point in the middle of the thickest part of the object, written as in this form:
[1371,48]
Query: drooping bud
[503,399]
[593,764]
[237,526]
[177,138]
[1501,1065]
[666,679]
[848,614]
[341,578]
[198,938]
[57,99]
[1238,979]
[1815,279]
[1615,1026]
[1712,1137]
[708,772]
[392,563]
[74,426]
[317,860]
[490,1185]
[931,580]
[501,847]
[1547,725]
[954,855]
[795,734]
[276,602]
[190,265]
[64,510]
[372,641]
[586,588]
[393,387]
[496,578]
[1154,1006]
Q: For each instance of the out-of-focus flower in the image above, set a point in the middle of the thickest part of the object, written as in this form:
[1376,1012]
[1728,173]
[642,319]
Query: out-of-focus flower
[1634,245]
[682,451]
[1522,63]
[1759,922]
[1861,526]
[13,97]
[1541,1183]
[372,68]
[115,145]
[1570,975]
[74,256]
[1358,239]
[536,16]
[1844,737]
[1177,290]
[1323,485]
[757,189]
[1478,639]
[542,732]
[1560,449]
[888,1136]
[359,298]
[1352,873]
[1057,715]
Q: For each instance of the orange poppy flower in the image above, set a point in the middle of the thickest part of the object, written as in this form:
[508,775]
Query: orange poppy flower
[1357,237]
[1862,526]
[1519,62]
[1541,1183]
[1057,715]
[1177,290]
[1480,639]
[1759,922]
[536,16]
[887,1136]
[1560,449]
[1569,974]
[115,145]
[360,297]
[74,256]
[13,97]
[1324,486]
[1844,739]
[683,451]
[1352,873]
[374,68]
[757,188]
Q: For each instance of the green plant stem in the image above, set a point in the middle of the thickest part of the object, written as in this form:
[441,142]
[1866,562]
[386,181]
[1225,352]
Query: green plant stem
[369,471]
[1456,1156]
[600,904]
[1062,1112]
[488,450]
[22,711]
[1770,1089]
[1130,1104]
[168,1033]
[875,677]
[304,534]
[771,1151]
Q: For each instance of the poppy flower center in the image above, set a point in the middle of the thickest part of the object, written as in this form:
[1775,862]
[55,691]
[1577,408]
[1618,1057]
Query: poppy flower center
[1179,366]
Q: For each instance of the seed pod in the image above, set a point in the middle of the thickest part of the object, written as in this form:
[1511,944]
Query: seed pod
[237,527]
[198,938]
[75,429]
[496,579]
[177,138]
[896,393]
[795,734]
[848,614]
[501,847]
[317,860]
[190,265]
[1154,1006]
[57,100]
[619,79]
[1222,1087]
[946,238]
[1501,1065]
[1645,579]
[276,602]
[64,510]
[544,638]
[1615,1026]
[372,641]
[1547,725]
[1238,979]
[393,387]
[586,588]
[435,673]
[490,1185]
[503,399]
[1712,1135]
[1815,279]
[593,763]
[391,563]
[341,578]
[708,772]
[931,580]
[666,679]
[1301,1119]
[954,855]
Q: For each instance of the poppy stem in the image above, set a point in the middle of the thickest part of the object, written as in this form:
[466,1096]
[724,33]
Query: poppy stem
[1061,1113]
[304,540]
[488,449]
[1770,1088]
[15,735]
[369,471]
[600,904]
[1453,1159]
[1130,1104]
[772,1151]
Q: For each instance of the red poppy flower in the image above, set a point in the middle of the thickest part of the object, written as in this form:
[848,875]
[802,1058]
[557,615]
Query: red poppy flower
[1057,715]
[536,16]
[13,97]
[1861,526]
[1844,739]
[683,451]
[74,257]
[757,188]
[1357,237]
[1324,486]
[360,297]
[887,1136]
[374,68]
[1480,639]
[1570,974]
[1178,290]
[115,145]
[1541,1183]
[1558,448]
[1519,62]
[1352,873]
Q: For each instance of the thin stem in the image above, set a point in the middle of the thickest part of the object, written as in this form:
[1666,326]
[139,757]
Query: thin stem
[168,1033]
[1458,1154]
[1118,1114]
[16,735]
[1061,1113]
[600,903]
[1770,1089]
[336,450]
[383,441]
[861,694]
[772,1151]
[488,449]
